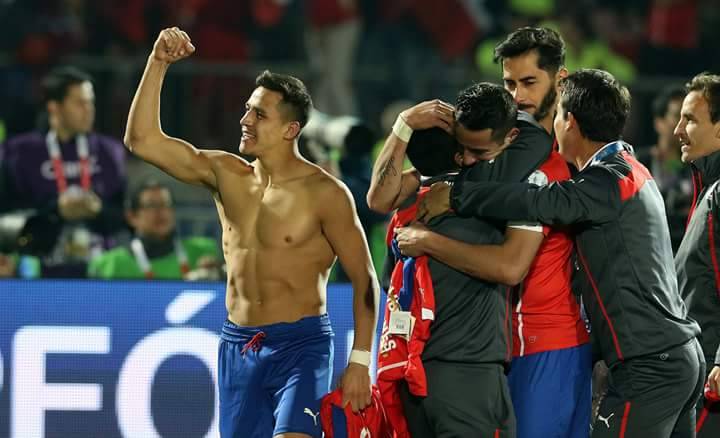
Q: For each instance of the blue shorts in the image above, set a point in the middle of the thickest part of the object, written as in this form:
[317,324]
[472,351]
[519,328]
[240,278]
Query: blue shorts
[271,378]
[551,393]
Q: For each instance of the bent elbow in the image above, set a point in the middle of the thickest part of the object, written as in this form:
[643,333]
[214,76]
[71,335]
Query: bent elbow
[513,274]
[376,205]
[131,141]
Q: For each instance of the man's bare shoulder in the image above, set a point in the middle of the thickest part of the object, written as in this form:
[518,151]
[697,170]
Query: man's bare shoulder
[231,163]
[324,185]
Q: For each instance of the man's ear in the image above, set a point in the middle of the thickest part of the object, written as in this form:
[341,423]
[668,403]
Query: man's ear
[570,122]
[292,131]
[562,73]
[512,135]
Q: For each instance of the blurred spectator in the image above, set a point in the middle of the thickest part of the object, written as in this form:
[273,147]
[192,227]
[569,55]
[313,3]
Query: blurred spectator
[40,31]
[586,50]
[673,38]
[663,160]
[71,180]
[156,252]
[331,36]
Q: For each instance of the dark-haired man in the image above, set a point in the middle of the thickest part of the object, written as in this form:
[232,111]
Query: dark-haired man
[284,222]
[470,342]
[697,258]
[629,285]
[67,174]
[533,61]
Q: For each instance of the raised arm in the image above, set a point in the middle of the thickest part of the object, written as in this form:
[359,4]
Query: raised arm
[341,226]
[144,135]
[389,185]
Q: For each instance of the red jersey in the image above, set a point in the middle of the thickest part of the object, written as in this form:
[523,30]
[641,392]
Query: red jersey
[370,422]
[547,314]
[399,355]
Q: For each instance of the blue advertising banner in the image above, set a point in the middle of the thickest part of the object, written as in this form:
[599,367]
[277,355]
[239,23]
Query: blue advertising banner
[120,359]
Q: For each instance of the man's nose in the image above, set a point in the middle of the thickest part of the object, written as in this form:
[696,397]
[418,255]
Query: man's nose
[679,129]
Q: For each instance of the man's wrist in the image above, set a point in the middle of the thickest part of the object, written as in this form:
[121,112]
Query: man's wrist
[402,130]
[360,357]
[426,243]
[152,59]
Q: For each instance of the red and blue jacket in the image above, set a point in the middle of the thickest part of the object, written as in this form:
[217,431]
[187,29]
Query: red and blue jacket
[400,356]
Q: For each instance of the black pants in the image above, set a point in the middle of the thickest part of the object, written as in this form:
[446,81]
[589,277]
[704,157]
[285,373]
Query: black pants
[464,400]
[708,414]
[653,396]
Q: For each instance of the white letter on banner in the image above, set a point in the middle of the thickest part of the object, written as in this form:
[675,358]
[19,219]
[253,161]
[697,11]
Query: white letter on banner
[134,386]
[31,396]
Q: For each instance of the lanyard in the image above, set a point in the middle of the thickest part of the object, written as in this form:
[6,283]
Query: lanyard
[83,152]
[141,257]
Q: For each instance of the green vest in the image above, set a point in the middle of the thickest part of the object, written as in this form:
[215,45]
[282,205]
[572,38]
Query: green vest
[119,263]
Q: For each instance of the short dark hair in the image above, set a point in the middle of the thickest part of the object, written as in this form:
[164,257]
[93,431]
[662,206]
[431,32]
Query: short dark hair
[548,43]
[133,200]
[57,83]
[599,103]
[709,86]
[432,151]
[296,100]
[662,101]
[483,105]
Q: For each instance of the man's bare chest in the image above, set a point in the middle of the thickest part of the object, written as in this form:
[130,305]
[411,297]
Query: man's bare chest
[275,217]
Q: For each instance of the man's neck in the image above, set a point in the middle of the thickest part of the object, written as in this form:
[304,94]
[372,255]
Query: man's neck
[158,246]
[278,164]
[63,135]
[547,122]
[587,149]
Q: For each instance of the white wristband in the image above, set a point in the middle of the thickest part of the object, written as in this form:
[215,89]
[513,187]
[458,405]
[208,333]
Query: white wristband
[402,130]
[360,357]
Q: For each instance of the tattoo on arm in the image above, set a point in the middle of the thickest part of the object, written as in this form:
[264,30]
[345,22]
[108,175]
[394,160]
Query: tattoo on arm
[388,169]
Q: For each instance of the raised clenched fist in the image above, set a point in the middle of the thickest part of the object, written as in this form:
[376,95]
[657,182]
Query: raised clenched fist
[172,45]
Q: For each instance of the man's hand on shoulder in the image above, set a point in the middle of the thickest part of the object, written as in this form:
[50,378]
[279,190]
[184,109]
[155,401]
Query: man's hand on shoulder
[435,202]
[355,385]
[172,45]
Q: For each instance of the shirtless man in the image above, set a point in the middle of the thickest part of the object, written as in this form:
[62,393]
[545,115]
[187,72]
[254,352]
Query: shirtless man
[284,221]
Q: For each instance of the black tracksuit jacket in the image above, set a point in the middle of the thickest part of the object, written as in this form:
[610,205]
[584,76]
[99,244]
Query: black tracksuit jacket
[696,261]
